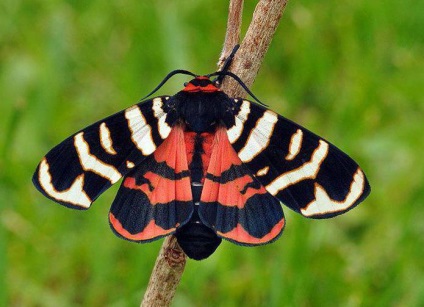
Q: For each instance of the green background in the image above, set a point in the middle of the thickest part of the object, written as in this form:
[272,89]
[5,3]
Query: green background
[352,71]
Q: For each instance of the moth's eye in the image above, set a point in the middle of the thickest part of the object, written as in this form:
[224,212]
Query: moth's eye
[185,83]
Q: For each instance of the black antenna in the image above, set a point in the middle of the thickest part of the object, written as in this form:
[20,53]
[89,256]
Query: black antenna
[169,76]
[220,76]
[239,81]
[226,65]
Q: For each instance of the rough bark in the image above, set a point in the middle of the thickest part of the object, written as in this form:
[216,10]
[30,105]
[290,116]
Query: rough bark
[166,275]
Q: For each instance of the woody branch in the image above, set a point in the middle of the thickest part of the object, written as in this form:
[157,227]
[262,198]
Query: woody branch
[171,260]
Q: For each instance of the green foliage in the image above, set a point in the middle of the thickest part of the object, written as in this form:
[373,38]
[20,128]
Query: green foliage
[351,71]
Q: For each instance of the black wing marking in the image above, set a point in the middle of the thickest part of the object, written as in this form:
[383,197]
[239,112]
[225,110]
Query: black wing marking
[304,171]
[78,170]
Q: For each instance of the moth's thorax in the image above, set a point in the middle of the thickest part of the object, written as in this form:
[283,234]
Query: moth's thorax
[201,111]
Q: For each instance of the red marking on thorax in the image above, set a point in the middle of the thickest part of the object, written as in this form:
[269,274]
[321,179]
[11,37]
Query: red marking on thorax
[209,88]
[202,78]
[197,88]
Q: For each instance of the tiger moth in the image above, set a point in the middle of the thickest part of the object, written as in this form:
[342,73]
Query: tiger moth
[202,166]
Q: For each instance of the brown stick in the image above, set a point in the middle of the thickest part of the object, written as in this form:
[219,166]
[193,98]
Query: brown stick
[170,263]
[232,37]
[166,275]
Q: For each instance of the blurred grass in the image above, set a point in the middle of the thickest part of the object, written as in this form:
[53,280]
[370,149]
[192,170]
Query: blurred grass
[352,71]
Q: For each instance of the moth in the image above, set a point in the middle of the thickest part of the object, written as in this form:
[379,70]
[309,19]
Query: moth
[202,166]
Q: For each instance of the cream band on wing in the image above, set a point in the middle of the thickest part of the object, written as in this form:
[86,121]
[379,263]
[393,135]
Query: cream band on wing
[74,195]
[90,162]
[295,145]
[159,113]
[309,170]
[141,132]
[106,140]
[259,137]
[323,203]
[263,171]
[235,131]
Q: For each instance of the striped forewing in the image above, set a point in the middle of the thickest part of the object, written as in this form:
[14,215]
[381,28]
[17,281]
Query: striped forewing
[78,170]
[304,171]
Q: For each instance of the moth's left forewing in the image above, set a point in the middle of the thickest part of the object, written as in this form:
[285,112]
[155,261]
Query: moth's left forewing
[305,172]
[78,170]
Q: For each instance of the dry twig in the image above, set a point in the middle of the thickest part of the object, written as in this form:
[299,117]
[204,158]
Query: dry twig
[249,57]
[166,275]
[232,36]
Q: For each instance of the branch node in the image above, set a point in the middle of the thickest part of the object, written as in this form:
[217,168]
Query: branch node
[175,257]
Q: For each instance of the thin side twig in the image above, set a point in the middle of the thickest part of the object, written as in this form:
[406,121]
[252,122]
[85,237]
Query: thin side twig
[249,57]
[232,36]
[170,263]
